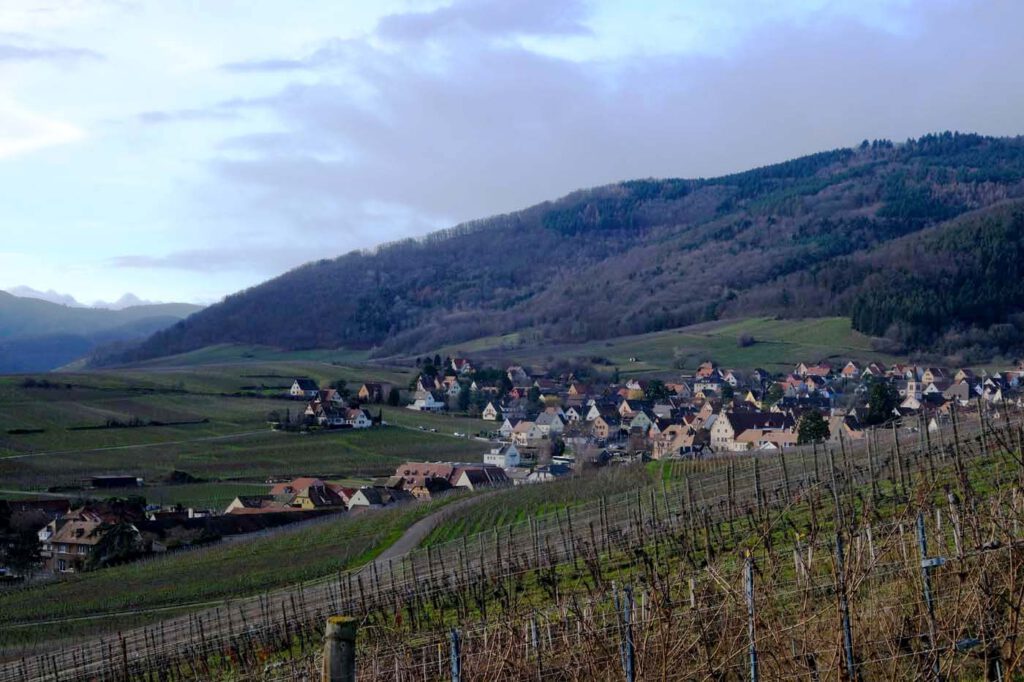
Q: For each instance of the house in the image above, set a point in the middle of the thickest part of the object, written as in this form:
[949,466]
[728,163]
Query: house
[357,418]
[964,374]
[257,504]
[474,477]
[515,409]
[413,474]
[874,369]
[490,413]
[850,370]
[115,482]
[641,421]
[372,392]
[527,433]
[728,434]
[452,388]
[517,375]
[705,370]
[663,410]
[678,440]
[330,396]
[550,472]
[505,456]
[322,496]
[932,375]
[844,427]
[822,369]
[304,387]
[462,366]
[425,401]
[72,540]
[767,439]
[311,493]
[378,496]
[71,544]
[960,391]
[549,423]
[576,389]
[711,386]
[428,384]
[506,428]
[573,415]
[603,427]
[325,414]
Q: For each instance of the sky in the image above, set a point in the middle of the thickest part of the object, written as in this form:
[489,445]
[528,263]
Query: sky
[182,151]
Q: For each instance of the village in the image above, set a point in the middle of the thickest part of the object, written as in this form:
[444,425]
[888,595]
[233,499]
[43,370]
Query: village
[714,410]
[538,425]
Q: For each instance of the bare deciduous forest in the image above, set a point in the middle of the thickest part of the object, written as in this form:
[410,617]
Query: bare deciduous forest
[918,242]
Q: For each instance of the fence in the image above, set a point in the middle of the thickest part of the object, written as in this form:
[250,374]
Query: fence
[680,540]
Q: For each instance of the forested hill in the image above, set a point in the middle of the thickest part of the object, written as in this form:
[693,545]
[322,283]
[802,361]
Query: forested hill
[37,335]
[869,232]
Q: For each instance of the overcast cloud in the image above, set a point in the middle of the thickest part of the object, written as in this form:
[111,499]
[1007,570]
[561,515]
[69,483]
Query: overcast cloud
[207,151]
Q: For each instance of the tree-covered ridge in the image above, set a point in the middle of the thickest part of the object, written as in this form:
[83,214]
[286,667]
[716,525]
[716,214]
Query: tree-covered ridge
[966,293]
[640,256]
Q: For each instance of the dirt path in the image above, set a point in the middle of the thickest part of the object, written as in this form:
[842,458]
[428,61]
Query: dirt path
[419,531]
[409,540]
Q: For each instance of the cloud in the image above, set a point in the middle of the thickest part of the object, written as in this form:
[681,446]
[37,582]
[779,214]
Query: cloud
[489,17]
[12,52]
[185,115]
[262,65]
[258,256]
[476,126]
[23,131]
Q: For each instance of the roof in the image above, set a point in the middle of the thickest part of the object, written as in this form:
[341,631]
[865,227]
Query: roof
[59,505]
[78,533]
[324,496]
[742,421]
[307,384]
[482,475]
[294,486]
[257,501]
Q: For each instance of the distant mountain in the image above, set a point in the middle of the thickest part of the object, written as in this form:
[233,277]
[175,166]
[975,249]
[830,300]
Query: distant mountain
[127,300]
[37,335]
[48,295]
[908,239]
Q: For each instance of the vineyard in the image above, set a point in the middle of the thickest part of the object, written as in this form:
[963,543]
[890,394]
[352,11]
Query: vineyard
[896,557]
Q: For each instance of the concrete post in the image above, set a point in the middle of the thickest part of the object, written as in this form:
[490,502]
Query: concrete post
[340,650]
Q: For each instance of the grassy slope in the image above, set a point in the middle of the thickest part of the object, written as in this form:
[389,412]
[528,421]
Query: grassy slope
[780,345]
[235,442]
[207,574]
[517,505]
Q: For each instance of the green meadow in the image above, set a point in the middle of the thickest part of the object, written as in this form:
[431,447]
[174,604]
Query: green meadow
[778,344]
[208,420]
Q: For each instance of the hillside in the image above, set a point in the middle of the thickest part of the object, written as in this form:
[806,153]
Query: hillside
[834,233]
[37,335]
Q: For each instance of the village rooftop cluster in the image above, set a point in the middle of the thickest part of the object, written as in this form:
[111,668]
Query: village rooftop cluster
[539,425]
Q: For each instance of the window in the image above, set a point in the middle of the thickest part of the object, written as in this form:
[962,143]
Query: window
[62,565]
